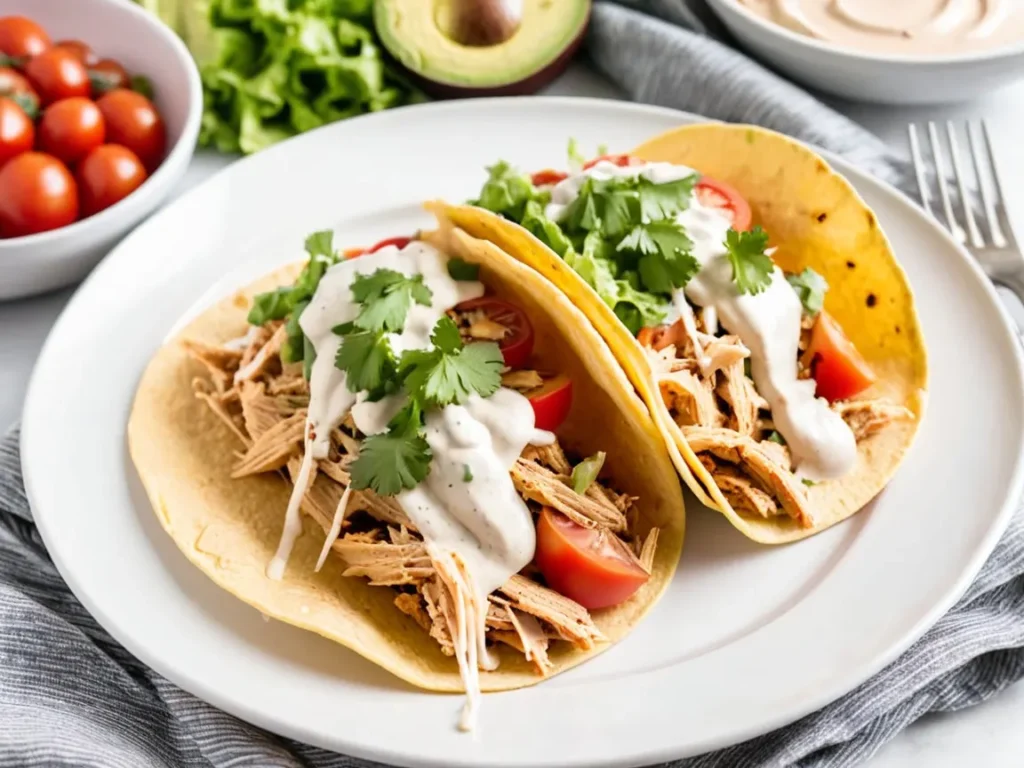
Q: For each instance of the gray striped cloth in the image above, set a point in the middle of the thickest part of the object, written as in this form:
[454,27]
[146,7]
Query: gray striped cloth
[71,696]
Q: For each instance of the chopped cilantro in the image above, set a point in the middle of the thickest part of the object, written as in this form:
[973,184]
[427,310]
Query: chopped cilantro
[666,262]
[586,472]
[395,460]
[451,372]
[581,215]
[386,296]
[366,359]
[272,305]
[751,266]
[294,346]
[467,474]
[808,483]
[281,302]
[664,201]
[776,437]
[811,288]
[463,270]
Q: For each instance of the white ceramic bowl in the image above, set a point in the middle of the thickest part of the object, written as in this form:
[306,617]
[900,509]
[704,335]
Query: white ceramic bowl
[887,79]
[121,30]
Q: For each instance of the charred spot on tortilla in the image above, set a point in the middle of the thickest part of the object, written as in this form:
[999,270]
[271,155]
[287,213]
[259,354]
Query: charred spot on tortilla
[871,219]
[821,217]
[851,265]
[871,300]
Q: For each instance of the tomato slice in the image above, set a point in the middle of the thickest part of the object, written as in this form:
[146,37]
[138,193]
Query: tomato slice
[548,176]
[517,346]
[717,194]
[592,567]
[839,369]
[551,402]
[620,160]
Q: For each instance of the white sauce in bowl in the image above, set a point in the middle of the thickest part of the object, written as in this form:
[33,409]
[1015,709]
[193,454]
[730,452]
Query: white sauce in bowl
[926,27]
[768,323]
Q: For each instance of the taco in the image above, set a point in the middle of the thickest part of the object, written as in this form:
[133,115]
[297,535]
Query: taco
[754,302]
[421,451]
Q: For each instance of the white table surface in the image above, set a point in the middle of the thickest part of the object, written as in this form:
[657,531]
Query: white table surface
[988,735]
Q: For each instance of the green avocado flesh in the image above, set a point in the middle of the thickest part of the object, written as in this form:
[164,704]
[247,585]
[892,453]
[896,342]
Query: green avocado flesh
[414,32]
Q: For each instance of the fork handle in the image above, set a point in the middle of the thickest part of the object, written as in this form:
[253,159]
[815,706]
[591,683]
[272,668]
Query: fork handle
[1013,281]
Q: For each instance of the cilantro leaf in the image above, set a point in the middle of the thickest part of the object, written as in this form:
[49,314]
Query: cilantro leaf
[637,309]
[366,359]
[506,191]
[751,266]
[666,262]
[386,296]
[281,302]
[595,270]
[293,349]
[467,474]
[272,305]
[544,229]
[811,288]
[618,205]
[776,437]
[585,473]
[464,270]
[451,372]
[581,215]
[391,462]
[664,201]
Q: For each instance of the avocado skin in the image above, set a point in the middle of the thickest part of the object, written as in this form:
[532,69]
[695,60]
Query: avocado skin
[521,87]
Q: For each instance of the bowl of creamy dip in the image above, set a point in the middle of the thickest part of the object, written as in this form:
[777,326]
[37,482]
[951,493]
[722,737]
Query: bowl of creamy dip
[888,51]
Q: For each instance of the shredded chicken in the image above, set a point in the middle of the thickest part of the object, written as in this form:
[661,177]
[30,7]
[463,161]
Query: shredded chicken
[383,562]
[264,359]
[867,417]
[647,550]
[724,351]
[543,486]
[273,448]
[569,618]
[532,640]
[690,399]
[551,456]
[412,605]
[220,363]
[740,450]
[521,380]
[737,390]
[739,490]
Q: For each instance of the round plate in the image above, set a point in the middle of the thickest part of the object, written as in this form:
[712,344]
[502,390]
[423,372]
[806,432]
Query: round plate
[746,639]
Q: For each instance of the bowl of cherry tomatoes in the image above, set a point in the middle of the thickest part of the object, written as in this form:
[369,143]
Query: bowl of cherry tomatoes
[100,106]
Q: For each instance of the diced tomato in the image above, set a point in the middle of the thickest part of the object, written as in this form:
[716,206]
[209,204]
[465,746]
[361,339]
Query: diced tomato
[517,346]
[717,194]
[836,365]
[398,242]
[593,567]
[620,160]
[551,402]
[548,176]
[661,336]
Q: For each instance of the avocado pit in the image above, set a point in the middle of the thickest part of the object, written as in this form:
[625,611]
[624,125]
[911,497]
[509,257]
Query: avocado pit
[456,48]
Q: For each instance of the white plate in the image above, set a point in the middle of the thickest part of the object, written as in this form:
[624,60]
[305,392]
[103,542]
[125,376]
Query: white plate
[747,638]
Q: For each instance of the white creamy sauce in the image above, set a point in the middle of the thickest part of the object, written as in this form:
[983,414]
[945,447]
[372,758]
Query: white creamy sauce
[475,525]
[928,27]
[821,444]
[241,343]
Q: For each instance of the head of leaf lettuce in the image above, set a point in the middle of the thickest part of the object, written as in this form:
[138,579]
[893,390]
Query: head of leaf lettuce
[274,68]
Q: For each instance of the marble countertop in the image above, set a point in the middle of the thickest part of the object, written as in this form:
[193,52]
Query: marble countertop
[987,735]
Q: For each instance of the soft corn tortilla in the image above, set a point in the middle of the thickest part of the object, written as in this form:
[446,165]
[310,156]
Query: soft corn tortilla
[230,528]
[816,219]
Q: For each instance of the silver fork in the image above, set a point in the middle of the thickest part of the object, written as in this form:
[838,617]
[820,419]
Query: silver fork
[996,248]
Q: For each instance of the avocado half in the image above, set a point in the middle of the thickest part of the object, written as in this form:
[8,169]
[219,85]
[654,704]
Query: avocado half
[415,32]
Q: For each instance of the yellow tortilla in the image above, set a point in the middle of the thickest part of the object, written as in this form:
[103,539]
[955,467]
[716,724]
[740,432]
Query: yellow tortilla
[229,528]
[816,219]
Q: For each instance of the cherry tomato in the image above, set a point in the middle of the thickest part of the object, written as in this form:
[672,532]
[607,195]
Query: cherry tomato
[133,122]
[20,36]
[107,75]
[717,194]
[551,402]
[836,365]
[620,160]
[548,176]
[57,74]
[593,567]
[517,346]
[107,175]
[398,242]
[81,50]
[39,194]
[70,129]
[12,82]
[17,133]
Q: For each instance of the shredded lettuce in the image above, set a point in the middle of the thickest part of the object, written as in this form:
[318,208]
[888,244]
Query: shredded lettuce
[275,68]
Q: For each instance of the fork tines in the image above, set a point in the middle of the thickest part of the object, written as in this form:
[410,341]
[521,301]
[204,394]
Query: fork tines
[983,182]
